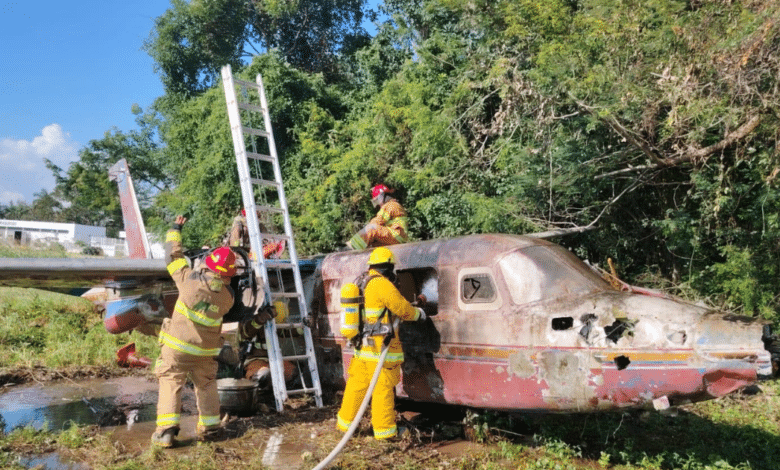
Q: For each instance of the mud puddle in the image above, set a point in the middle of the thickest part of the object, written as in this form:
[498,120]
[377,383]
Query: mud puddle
[50,462]
[58,405]
[119,402]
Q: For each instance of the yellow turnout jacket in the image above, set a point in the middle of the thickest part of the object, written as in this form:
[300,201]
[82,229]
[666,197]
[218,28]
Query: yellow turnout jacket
[380,294]
[195,326]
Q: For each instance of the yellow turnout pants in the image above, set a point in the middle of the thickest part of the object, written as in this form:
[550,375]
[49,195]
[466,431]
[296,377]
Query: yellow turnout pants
[172,370]
[382,400]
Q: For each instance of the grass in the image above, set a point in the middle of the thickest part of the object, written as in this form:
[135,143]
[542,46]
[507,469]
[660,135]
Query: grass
[47,329]
[8,250]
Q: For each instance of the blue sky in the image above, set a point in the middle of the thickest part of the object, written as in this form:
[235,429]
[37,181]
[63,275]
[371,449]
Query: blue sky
[69,72]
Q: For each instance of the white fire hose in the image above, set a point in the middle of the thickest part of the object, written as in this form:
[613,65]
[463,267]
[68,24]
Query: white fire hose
[356,422]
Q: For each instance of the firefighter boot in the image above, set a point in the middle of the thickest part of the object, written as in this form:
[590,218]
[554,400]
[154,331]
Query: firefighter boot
[210,433]
[401,435]
[165,438]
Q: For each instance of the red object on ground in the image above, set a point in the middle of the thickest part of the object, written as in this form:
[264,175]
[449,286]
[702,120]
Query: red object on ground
[126,357]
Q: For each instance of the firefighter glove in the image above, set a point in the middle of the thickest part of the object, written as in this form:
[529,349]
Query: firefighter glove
[264,316]
[423,316]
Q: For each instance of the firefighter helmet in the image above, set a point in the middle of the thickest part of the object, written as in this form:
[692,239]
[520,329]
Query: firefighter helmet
[381,255]
[222,261]
[379,189]
[378,194]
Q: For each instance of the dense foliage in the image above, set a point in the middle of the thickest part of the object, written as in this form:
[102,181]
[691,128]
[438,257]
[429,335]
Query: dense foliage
[653,123]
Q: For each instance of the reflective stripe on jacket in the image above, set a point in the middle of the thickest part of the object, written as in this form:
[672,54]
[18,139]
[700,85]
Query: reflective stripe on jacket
[195,326]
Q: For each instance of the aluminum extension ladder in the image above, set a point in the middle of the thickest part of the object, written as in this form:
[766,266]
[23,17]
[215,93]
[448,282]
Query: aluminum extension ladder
[254,168]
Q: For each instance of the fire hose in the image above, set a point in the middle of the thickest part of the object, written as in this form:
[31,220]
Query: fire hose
[356,422]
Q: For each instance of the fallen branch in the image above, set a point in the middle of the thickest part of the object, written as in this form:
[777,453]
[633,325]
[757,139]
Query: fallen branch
[560,232]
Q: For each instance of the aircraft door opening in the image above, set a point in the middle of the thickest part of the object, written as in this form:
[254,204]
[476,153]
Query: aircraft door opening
[413,282]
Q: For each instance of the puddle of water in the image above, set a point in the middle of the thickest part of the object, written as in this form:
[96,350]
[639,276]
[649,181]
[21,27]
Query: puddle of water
[50,462]
[59,405]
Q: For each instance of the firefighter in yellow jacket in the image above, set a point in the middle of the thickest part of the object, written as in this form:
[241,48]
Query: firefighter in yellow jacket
[191,339]
[388,227]
[382,302]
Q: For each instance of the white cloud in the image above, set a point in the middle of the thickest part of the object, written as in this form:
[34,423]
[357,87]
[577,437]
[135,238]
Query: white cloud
[24,170]
[8,197]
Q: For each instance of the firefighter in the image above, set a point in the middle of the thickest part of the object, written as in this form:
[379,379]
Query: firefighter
[382,302]
[191,339]
[388,227]
[239,237]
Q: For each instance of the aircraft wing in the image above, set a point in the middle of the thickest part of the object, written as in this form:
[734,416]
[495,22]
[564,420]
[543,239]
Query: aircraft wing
[80,272]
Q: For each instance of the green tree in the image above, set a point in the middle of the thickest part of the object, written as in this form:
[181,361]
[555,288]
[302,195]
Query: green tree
[15,211]
[199,149]
[46,207]
[191,41]
[653,122]
[92,198]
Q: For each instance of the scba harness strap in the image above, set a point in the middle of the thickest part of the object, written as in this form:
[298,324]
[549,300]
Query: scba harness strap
[366,330]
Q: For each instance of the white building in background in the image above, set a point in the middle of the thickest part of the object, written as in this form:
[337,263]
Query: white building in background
[25,232]
[155,246]
[73,237]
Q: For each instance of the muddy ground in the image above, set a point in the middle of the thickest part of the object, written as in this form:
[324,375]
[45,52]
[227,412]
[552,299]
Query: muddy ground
[298,438]
[118,431]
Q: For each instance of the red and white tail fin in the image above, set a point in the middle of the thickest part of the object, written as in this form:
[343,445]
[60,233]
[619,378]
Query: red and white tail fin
[135,232]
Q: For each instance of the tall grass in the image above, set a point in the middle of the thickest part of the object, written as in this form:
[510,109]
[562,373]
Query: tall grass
[10,250]
[47,329]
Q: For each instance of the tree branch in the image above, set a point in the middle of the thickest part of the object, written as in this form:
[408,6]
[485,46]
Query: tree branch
[694,155]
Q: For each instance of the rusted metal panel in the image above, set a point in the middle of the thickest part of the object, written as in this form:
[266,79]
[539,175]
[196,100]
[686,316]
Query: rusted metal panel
[549,333]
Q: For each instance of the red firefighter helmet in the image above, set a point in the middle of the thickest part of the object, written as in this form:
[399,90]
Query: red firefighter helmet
[222,261]
[379,189]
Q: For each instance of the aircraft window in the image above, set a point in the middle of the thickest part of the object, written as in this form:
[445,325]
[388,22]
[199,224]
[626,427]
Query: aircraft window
[547,272]
[477,288]
[562,323]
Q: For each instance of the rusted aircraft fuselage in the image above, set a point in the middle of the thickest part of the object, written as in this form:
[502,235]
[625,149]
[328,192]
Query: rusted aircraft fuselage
[522,324]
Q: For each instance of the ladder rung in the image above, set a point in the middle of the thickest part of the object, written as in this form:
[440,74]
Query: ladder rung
[289,326]
[260,156]
[300,357]
[245,83]
[250,107]
[249,130]
[285,295]
[265,182]
[274,236]
[282,264]
[270,209]
[302,390]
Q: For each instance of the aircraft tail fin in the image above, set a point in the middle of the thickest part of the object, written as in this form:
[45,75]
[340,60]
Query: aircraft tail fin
[135,232]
